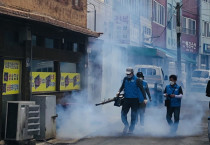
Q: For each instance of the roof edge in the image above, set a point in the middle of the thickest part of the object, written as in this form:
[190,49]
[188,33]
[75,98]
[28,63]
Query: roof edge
[47,19]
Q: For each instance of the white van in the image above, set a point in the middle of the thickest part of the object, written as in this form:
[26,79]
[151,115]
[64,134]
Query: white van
[200,78]
[154,76]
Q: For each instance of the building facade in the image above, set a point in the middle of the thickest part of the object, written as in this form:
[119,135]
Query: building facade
[159,23]
[42,50]
[204,35]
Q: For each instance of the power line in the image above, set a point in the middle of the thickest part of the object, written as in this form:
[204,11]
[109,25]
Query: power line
[157,37]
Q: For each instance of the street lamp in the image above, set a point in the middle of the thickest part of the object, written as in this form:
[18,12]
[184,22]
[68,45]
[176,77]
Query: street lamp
[94,15]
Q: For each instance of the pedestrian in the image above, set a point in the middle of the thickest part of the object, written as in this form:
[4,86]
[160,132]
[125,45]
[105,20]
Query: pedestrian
[131,86]
[143,103]
[208,89]
[173,93]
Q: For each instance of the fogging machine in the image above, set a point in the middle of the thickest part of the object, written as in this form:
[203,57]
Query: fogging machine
[118,101]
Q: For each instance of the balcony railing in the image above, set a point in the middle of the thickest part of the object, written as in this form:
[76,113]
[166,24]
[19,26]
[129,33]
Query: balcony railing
[189,31]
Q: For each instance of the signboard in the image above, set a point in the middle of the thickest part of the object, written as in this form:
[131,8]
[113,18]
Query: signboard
[206,48]
[70,81]
[11,77]
[43,81]
[122,29]
[189,46]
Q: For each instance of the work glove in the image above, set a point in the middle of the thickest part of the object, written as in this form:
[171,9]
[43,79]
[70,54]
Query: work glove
[118,94]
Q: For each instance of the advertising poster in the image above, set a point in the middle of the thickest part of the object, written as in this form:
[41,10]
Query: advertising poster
[70,81]
[11,77]
[43,81]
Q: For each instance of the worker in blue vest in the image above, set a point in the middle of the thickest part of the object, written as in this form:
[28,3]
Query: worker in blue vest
[173,94]
[131,86]
[142,105]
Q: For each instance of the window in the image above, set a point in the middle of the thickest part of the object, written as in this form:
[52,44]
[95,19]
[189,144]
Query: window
[207,1]
[68,67]
[147,71]
[201,74]
[206,29]
[189,26]
[174,21]
[49,43]
[42,66]
[77,4]
[159,13]
[169,15]
[33,40]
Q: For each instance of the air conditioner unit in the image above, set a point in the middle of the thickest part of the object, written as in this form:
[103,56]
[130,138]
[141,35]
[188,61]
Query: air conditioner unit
[22,120]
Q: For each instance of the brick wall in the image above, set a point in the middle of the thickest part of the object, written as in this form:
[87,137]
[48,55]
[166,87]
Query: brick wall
[63,10]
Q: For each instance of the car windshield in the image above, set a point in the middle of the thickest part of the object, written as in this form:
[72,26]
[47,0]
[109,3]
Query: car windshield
[147,71]
[201,74]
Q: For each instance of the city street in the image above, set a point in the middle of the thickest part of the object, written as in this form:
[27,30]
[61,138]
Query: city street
[105,72]
[192,131]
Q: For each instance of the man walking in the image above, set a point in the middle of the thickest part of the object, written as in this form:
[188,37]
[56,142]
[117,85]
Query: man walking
[173,94]
[143,103]
[131,86]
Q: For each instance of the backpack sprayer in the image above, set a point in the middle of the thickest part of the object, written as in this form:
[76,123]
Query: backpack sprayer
[118,101]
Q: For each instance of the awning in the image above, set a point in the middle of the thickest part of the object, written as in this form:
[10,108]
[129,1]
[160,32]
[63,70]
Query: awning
[173,55]
[144,51]
[46,19]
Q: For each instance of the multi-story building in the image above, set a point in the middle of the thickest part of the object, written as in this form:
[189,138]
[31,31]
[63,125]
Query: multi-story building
[159,23]
[204,35]
[42,49]
[146,22]
[190,28]
[100,19]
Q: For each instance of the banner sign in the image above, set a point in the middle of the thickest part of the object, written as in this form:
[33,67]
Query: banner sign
[11,77]
[43,81]
[70,81]
[206,47]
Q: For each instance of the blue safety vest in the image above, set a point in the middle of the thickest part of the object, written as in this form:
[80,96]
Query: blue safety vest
[175,102]
[131,88]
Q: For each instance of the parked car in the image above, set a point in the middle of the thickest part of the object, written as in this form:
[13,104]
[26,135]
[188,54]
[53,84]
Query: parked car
[199,80]
[155,78]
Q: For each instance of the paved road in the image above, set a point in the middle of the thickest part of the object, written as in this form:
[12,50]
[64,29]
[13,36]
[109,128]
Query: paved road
[192,130]
[198,140]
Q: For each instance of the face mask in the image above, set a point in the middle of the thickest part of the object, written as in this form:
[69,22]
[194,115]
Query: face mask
[129,76]
[172,83]
[141,78]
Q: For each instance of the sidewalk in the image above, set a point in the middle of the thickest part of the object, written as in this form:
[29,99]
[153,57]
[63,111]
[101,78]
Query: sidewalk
[58,141]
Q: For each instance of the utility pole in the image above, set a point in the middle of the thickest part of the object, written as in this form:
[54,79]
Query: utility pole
[178,30]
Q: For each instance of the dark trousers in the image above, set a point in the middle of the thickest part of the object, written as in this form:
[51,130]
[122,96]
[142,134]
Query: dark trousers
[128,103]
[170,112]
[141,112]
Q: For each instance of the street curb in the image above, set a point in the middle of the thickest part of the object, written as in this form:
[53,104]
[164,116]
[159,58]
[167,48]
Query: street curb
[58,141]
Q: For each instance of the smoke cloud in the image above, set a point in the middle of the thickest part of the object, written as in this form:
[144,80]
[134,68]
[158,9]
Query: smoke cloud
[84,118]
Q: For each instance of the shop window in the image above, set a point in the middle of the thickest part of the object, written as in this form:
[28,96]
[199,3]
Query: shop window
[42,66]
[11,38]
[33,40]
[67,67]
[49,43]
[75,47]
